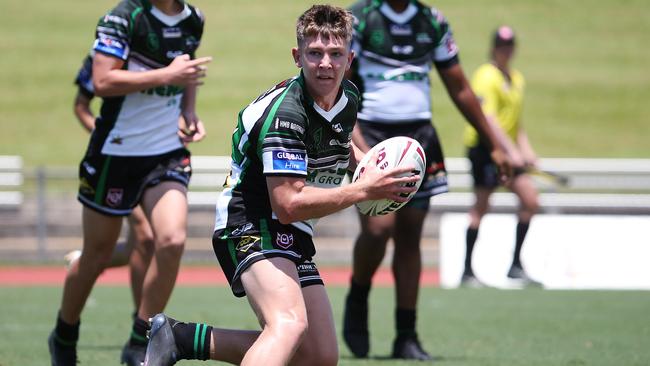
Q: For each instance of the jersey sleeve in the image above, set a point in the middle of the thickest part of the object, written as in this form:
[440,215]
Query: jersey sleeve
[283,146]
[445,53]
[485,87]
[114,33]
[84,79]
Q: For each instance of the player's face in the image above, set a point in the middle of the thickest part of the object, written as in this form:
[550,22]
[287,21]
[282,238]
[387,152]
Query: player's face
[324,63]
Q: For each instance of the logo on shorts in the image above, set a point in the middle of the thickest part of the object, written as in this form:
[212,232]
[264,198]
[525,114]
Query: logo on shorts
[114,197]
[242,229]
[284,240]
[246,242]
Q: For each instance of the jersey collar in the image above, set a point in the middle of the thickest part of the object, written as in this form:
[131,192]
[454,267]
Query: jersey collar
[399,18]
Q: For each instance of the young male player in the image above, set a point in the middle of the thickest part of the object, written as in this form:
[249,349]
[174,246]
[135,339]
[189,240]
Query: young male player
[144,71]
[290,150]
[398,42]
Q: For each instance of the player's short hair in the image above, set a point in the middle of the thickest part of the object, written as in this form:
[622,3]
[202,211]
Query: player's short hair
[325,20]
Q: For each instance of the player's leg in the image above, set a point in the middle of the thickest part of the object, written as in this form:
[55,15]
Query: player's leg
[476,212]
[274,292]
[141,240]
[407,264]
[523,186]
[319,345]
[100,234]
[369,250]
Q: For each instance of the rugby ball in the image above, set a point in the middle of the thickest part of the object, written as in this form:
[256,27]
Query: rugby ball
[391,153]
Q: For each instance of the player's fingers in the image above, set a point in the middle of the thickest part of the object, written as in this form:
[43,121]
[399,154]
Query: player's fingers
[200,61]
[400,170]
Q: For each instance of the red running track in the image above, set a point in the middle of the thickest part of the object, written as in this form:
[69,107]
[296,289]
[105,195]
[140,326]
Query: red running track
[15,276]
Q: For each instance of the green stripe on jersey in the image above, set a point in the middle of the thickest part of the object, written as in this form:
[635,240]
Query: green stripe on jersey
[269,120]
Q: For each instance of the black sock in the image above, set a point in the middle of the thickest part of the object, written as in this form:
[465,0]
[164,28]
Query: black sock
[139,332]
[192,340]
[522,229]
[358,293]
[405,322]
[470,240]
[66,334]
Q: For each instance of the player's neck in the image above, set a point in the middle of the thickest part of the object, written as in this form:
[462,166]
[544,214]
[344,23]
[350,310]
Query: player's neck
[169,7]
[398,5]
[326,102]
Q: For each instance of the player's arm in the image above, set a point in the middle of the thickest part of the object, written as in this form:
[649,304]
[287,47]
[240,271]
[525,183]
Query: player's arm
[525,147]
[109,79]
[82,111]
[463,97]
[292,200]
[191,127]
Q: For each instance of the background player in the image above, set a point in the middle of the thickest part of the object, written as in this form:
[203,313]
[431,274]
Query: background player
[138,249]
[282,157]
[501,90]
[397,43]
[143,69]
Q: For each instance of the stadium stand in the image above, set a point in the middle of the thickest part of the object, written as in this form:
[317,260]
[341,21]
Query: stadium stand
[11,180]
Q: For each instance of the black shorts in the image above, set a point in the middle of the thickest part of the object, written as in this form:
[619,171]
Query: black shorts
[113,185]
[484,171]
[435,179]
[237,248]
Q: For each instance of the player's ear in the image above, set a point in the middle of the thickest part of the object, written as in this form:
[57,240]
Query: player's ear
[295,52]
[351,56]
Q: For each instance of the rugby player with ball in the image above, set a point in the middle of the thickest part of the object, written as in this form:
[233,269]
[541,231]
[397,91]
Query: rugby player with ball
[290,150]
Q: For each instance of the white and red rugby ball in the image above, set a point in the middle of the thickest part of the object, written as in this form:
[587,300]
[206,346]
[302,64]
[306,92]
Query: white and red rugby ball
[394,152]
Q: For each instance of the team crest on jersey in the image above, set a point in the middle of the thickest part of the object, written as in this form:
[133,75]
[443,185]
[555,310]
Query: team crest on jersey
[152,42]
[284,240]
[377,38]
[114,197]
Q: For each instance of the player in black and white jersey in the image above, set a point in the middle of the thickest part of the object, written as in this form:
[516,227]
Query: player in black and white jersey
[145,71]
[290,150]
[398,42]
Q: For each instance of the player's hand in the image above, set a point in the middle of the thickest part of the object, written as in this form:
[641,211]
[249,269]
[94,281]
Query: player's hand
[190,128]
[394,184]
[503,163]
[186,72]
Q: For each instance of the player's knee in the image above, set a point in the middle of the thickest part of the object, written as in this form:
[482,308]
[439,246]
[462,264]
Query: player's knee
[170,244]
[378,233]
[290,329]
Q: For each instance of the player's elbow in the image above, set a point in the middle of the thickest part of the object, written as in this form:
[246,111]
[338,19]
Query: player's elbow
[286,212]
[101,87]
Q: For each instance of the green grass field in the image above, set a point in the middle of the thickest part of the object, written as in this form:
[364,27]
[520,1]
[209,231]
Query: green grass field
[460,327]
[585,63]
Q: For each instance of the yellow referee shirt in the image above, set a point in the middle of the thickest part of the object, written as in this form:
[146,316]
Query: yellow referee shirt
[499,99]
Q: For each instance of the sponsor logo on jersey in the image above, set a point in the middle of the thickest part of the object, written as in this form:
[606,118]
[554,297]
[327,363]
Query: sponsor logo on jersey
[284,240]
[401,29]
[423,38]
[335,142]
[117,140]
[337,128]
[171,32]
[284,160]
[114,197]
[242,229]
[174,54]
[246,242]
[402,50]
[110,46]
[290,125]
[85,187]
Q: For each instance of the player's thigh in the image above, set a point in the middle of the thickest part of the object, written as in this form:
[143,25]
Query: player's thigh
[166,208]
[523,186]
[319,346]
[100,231]
[381,227]
[273,290]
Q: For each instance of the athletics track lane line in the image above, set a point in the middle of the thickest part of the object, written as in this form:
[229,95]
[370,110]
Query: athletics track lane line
[19,276]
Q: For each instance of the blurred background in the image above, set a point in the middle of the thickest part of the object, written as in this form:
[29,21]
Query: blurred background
[584,61]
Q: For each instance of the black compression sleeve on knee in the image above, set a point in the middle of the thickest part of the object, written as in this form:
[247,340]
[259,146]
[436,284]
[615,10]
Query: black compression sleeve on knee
[358,292]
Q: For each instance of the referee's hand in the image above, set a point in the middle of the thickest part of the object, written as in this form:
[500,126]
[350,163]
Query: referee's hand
[503,164]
